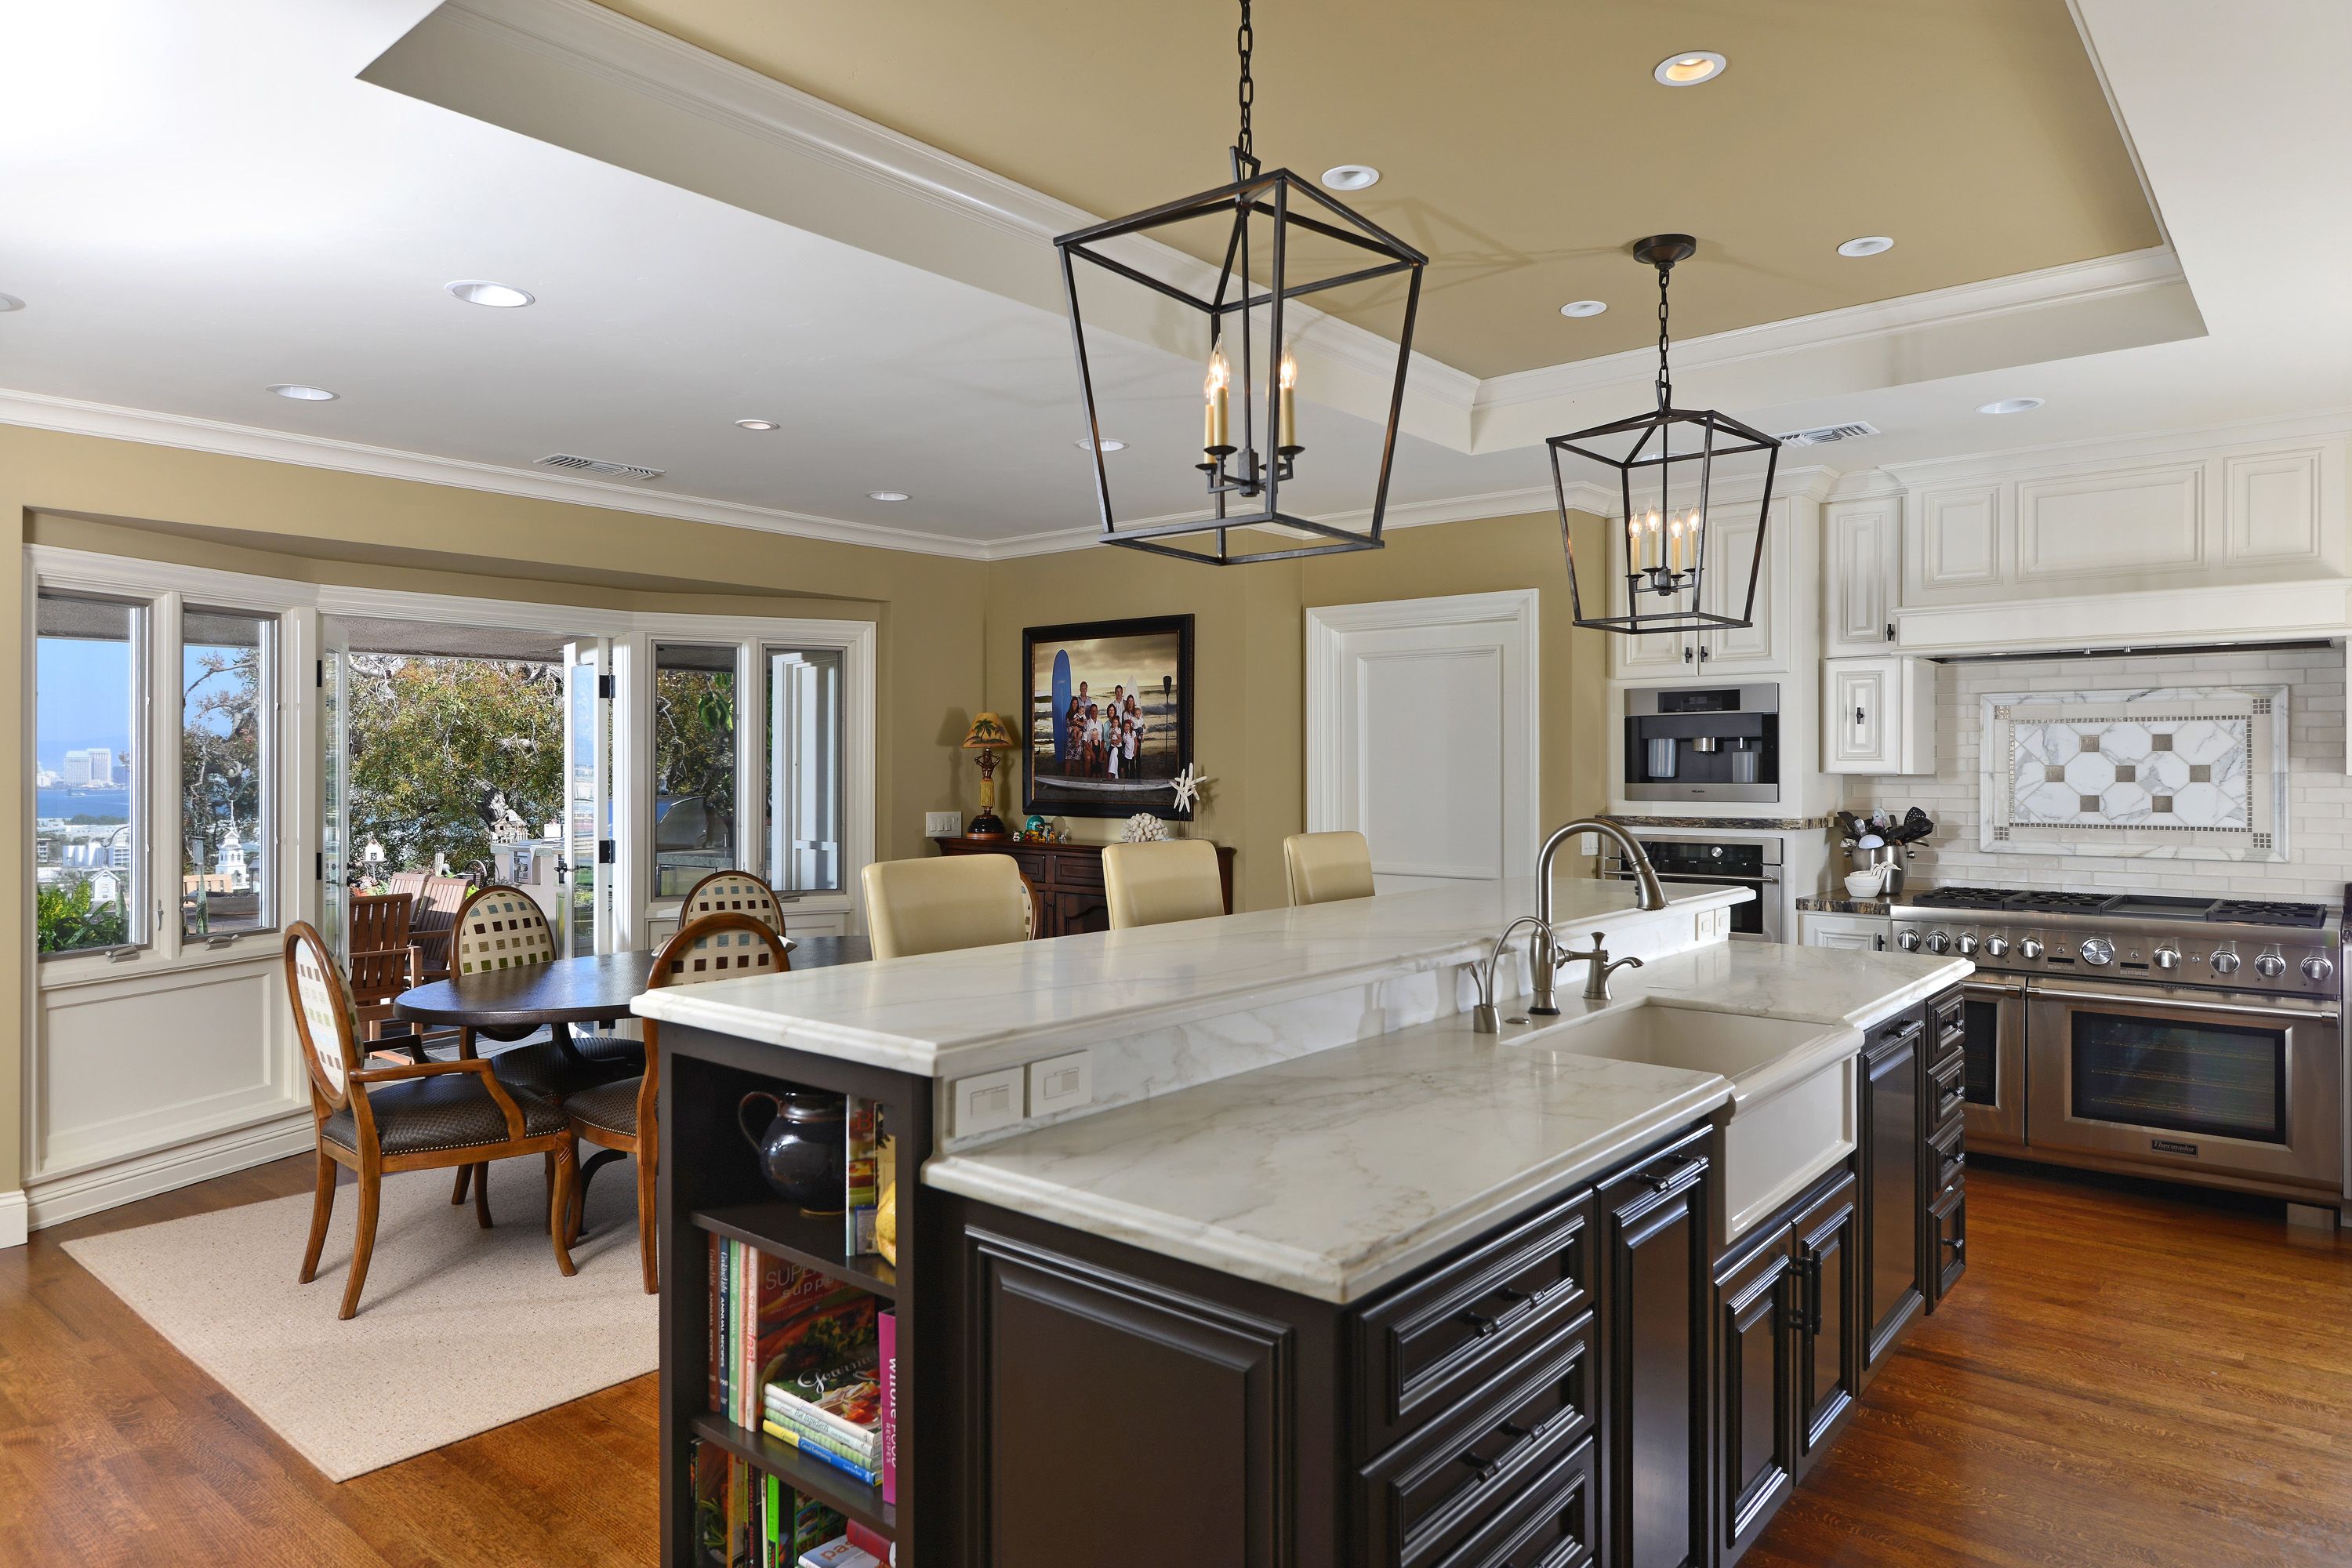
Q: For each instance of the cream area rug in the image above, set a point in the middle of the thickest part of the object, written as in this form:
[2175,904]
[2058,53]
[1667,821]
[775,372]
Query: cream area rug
[460,1329]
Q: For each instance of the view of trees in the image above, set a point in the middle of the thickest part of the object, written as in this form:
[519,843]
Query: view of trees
[435,741]
[220,782]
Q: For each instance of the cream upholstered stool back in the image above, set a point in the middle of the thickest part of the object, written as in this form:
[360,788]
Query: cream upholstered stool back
[954,901]
[1152,884]
[1323,867]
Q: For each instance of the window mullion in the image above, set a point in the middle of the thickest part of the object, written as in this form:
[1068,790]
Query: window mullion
[161,778]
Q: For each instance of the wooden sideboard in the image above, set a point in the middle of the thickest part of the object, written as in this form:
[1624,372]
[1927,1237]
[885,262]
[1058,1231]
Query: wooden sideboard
[1068,878]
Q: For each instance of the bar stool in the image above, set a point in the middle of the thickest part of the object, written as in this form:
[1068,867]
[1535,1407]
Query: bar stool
[1152,884]
[955,902]
[1323,867]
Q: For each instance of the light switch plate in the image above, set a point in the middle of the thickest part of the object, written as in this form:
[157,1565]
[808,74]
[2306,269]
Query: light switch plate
[1587,844]
[986,1101]
[1061,1083]
[942,824]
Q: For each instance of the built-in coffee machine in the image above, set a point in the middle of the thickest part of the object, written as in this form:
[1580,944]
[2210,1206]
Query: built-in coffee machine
[1703,743]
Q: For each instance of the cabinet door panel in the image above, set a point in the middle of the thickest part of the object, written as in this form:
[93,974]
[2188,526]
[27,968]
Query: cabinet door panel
[1755,646]
[1856,732]
[1117,1421]
[1075,912]
[1860,578]
[1949,1227]
[1755,1424]
[1655,1414]
[1829,1348]
[1893,1155]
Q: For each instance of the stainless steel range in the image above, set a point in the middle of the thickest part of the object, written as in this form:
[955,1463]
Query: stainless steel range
[2193,1038]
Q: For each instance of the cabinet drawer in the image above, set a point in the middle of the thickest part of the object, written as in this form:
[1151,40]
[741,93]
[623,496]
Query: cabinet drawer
[1552,1524]
[1437,1341]
[1072,871]
[1433,1500]
[1903,1027]
[1948,1160]
[1949,1220]
[1946,1094]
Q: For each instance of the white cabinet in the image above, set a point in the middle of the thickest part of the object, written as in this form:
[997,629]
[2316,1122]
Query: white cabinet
[1878,716]
[1859,933]
[1860,576]
[1763,647]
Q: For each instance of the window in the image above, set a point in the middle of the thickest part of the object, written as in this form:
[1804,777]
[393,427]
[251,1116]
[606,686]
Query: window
[227,839]
[693,764]
[89,832]
[803,831]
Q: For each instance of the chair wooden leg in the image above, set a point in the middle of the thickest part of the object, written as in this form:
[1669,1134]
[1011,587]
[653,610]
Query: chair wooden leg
[482,1195]
[559,1207]
[458,1189]
[647,1250]
[322,1208]
[363,1242]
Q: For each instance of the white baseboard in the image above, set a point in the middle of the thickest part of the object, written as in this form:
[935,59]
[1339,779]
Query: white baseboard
[13,1220]
[143,1176]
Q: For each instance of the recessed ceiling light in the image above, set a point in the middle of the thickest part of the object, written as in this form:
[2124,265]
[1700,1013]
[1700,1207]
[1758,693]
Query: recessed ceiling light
[1577,310]
[1690,69]
[1868,245]
[301,393]
[10,302]
[1351,177]
[2009,406]
[1108,446]
[497,296]
[886,495]
[755,425]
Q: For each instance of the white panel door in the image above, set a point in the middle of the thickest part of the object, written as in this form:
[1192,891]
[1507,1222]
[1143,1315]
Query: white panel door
[1422,720]
[1860,578]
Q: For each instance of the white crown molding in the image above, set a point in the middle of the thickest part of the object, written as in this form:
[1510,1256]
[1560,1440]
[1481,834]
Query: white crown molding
[73,416]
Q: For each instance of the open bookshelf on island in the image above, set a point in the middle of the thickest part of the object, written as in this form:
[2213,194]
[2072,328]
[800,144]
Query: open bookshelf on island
[712,1193]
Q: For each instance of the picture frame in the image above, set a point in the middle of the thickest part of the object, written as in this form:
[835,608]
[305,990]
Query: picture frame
[1144,667]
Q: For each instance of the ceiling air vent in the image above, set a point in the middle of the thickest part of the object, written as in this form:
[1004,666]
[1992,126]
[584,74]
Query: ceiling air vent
[1822,434]
[580,464]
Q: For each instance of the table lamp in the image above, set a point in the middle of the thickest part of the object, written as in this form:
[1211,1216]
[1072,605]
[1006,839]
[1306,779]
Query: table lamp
[987,737]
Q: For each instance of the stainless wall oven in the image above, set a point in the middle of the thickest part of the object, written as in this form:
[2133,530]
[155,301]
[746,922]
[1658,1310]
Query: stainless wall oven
[2173,1081]
[1719,862]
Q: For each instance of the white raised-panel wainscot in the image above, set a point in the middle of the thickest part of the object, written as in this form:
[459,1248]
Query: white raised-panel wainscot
[1878,716]
[1858,933]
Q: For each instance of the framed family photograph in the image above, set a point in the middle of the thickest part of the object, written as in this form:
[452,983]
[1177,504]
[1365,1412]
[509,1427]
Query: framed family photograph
[1109,709]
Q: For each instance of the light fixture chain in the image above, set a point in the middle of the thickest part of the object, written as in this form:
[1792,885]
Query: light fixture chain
[1665,376]
[1245,40]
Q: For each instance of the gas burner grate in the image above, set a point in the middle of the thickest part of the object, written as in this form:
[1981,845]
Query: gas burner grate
[2261,912]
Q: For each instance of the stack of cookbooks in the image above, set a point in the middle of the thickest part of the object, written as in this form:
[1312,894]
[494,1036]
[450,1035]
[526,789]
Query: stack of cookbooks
[833,1414]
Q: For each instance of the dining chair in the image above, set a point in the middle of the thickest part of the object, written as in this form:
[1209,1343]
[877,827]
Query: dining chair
[733,893]
[502,927]
[1152,884]
[939,905]
[619,1117]
[1324,868]
[416,1116]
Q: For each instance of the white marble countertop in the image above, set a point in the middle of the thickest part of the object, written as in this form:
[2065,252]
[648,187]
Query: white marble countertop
[946,1012]
[1336,1173]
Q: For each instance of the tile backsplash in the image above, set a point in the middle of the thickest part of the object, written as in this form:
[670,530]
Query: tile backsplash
[2319,793]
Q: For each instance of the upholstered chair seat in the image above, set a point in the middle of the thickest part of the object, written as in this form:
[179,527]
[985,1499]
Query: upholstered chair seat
[1324,868]
[1152,884]
[434,1115]
[540,1067]
[938,906]
[609,1107]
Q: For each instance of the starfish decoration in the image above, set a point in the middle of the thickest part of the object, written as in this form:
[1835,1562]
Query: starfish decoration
[1188,784]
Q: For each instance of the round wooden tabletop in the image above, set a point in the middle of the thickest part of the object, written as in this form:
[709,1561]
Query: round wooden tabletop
[576,990]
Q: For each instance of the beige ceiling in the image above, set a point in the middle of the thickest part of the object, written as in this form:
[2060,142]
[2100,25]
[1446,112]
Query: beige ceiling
[1523,143]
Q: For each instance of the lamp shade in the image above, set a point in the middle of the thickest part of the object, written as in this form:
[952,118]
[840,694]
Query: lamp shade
[988,732]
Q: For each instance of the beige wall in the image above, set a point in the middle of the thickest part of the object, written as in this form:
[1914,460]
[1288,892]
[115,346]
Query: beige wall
[1250,661]
[315,525]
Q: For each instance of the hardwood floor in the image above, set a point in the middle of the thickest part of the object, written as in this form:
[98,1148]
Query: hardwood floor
[2124,1377]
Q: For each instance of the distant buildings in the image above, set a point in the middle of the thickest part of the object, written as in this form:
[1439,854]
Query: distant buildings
[90,767]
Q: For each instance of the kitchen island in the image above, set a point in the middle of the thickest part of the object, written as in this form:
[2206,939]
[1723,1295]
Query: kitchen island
[1313,1272]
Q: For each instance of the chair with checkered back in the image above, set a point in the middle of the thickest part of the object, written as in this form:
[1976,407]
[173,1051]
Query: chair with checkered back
[416,1116]
[618,1118]
[732,893]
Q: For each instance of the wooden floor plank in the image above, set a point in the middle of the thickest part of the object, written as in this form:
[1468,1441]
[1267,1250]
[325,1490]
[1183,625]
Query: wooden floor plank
[2125,1376]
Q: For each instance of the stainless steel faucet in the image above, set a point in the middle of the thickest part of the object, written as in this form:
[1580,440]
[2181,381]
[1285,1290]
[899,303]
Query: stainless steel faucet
[1545,953]
[1486,1018]
[1596,981]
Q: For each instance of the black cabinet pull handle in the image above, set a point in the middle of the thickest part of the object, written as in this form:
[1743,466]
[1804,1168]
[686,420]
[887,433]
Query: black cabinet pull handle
[1660,1181]
[1480,1321]
[1956,1243]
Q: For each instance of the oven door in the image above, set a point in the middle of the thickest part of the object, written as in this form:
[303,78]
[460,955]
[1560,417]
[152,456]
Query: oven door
[1748,863]
[2168,1081]
[1993,1079]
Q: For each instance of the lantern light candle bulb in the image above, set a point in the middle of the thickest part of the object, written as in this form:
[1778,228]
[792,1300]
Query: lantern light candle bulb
[1289,401]
[1657,551]
[1674,545]
[1220,375]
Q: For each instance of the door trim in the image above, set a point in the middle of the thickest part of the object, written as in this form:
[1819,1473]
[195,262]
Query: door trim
[1327,629]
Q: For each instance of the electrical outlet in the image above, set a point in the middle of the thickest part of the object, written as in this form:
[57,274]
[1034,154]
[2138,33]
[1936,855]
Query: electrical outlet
[986,1101]
[1061,1083]
[942,824]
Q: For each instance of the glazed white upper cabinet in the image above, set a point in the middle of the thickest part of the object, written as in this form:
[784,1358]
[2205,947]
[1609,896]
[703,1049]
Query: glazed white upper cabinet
[1860,575]
[1763,648]
[1878,716]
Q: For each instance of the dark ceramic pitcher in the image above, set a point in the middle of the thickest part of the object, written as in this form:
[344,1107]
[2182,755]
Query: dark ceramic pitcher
[802,1146]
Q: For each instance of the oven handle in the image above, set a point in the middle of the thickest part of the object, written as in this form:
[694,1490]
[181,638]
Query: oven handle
[2002,988]
[2317,1012]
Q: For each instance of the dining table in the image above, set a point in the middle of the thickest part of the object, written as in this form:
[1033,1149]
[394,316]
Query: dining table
[594,988]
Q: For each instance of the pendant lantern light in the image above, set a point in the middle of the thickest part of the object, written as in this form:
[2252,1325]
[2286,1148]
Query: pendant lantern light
[1670,551]
[1250,444]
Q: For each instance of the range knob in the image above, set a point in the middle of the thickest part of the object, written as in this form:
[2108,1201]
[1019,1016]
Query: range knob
[2224,962]
[2270,965]
[2098,952]
[1938,942]
[2166,957]
[1908,940]
[2317,968]
[1996,946]
[2031,947]
[1968,943]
